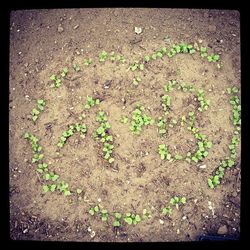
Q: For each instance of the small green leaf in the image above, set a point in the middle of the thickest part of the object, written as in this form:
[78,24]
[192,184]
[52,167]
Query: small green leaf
[78,190]
[45,188]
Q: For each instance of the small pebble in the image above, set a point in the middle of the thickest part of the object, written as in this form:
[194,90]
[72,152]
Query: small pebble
[25,231]
[161,221]
[178,231]
[76,26]
[89,229]
[92,234]
[203,166]
[99,200]
[184,217]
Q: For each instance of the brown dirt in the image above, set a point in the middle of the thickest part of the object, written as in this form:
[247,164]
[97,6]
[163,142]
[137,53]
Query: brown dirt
[138,179]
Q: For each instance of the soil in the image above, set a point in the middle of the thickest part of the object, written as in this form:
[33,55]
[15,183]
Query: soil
[42,42]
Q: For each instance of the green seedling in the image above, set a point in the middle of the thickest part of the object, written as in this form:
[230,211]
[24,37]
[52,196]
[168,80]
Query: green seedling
[50,176]
[136,65]
[64,72]
[167,211]
[103,56]
[42,168]
[112,56]
[102,133]
[177,201]
[170,86]
[139,119]
[204,104]
[76,67]
[172,123]
[90,102]
[147,58]
[50,188]
[73,128]
[56,81]
[178,157]
[232,90]
[213,181]
[136,80]
[78,191]
[36,111]
[87,62]
[104,213]
[64,188]
[94,210]
[162,126]
[186,87]
[117,222]
[183,120]
[213,58]
[146,214]
[166,103]
[132,218]
[163,151]
[124,119]
[203,52]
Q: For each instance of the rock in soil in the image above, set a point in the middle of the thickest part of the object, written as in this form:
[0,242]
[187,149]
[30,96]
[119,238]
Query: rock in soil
[222,230]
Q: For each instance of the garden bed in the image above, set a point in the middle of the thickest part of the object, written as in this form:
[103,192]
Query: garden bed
[124,124]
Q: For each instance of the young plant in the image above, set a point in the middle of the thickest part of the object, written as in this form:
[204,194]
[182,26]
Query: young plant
[139,119]
[57,82]
[103,134]
[172,123]
[170,86]
[177,201]
[167,211]
[203,52]
[94,210]
[104,213]
[42,168]
[136,80]
[178,157]
[36,148]
[213,58]
[36,111]
[166,103]
[103,56]
[124,119]
[204,104]
[76,67]
[117,222]
[132,218]
[163,151]
[185,87]
[87,62]
[90,102]
[146,214]
[73,128]
[64,188]
[162,126]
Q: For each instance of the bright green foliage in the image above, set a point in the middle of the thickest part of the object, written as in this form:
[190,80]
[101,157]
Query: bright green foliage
[163,151]
[73,128]
[136,65]
[57,82]
[203,52]
[166,103]
[36,111]
[213,58]
[42,168]
[146,214]
[50,176]
[136,80]
[204,104]
[64,188]
[178,157]
[236,119]
[186,87]
[103,56]
[124,119]
[131,218]
[90,102]
[103,134]
[170,86]
[104,213]
[176,201]
[87,62]
[181,48]
[162,126]
[36,148]
[167,211]
[139,119]
[76,67]
[117,222]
